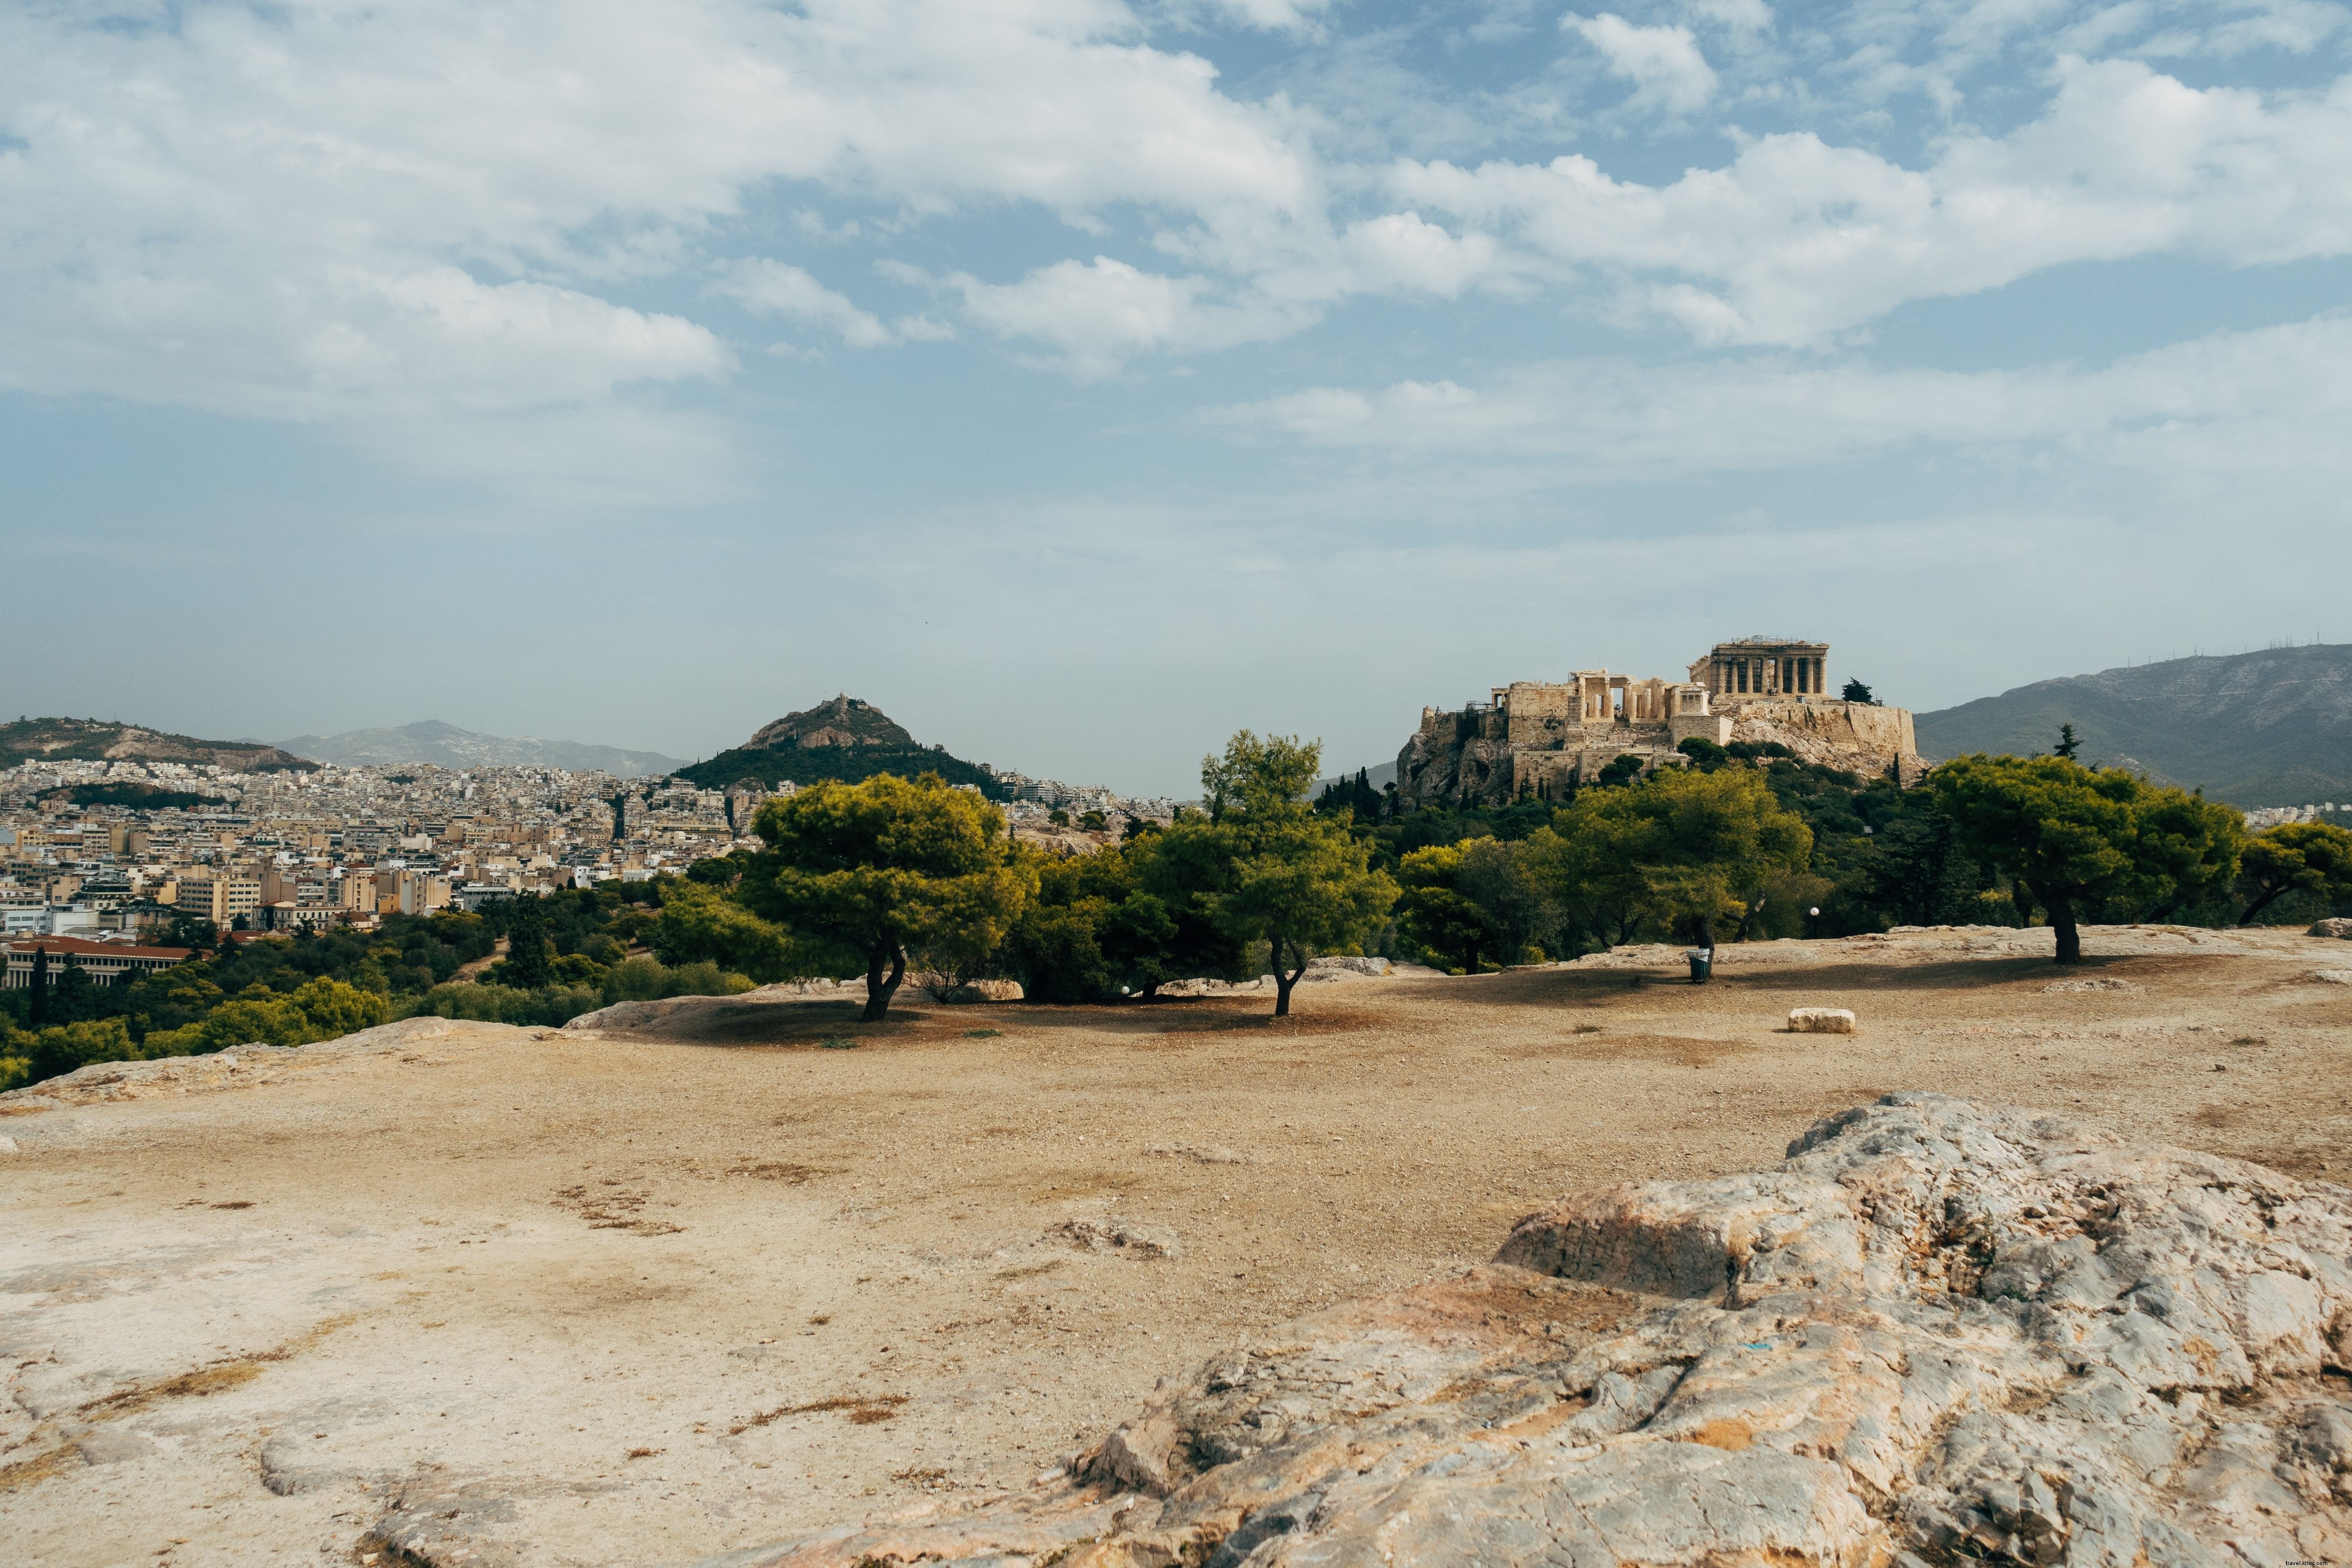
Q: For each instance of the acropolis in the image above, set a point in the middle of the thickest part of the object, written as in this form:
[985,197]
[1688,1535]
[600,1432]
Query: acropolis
[1542,738]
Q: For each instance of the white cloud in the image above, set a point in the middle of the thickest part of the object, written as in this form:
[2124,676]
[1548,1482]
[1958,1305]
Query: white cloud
[777,289]
[1399,252]
[1097,315]
[1664,63]
[1740,15]
[1274,15]
[270,210]
[1797,240]
[2264,401]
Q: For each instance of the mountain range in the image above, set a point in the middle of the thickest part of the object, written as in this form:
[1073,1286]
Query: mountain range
[447,746]
[2272,728]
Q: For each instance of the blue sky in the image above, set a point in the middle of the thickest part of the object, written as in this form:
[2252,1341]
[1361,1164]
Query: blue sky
[1083,381]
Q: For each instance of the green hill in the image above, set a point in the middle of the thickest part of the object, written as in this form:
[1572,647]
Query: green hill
[2273,728]
[846,739]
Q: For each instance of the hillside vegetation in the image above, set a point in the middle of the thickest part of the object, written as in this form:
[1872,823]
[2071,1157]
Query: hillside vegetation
[107,740]
[845,739]
[2273,728]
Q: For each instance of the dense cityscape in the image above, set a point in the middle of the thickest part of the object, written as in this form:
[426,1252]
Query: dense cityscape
[116,852]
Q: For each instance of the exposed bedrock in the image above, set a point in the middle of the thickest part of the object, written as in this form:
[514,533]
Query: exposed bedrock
[1938,1331]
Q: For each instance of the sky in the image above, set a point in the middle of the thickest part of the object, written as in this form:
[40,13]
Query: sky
[1080,381]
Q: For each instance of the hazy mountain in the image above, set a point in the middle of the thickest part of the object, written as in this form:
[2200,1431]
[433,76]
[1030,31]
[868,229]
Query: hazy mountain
[96,739]
[447,746]
[846,739]
[2273,728]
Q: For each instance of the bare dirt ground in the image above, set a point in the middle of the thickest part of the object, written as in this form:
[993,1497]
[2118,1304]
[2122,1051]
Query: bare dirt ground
[583,1298]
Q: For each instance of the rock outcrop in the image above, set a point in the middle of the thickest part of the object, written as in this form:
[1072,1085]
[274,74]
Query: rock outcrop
[1939,1331]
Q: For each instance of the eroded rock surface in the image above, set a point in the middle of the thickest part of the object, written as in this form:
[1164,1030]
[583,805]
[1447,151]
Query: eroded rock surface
[1939,1331]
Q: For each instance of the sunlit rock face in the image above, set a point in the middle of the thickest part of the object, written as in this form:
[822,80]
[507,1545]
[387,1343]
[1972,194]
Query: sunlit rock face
[1940,1329]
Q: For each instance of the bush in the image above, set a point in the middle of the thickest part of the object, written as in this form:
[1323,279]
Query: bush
[53,1052]
[550,1006]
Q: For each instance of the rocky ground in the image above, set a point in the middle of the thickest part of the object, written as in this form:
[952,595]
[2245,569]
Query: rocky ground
[750,1273]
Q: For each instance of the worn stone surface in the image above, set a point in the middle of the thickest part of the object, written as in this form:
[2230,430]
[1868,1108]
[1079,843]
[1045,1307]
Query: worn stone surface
[2336,925]
[1821,1020]
[1940,1331]
[1112,1232]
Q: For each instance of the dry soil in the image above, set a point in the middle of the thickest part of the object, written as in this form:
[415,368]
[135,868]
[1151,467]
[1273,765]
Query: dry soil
[651,1298]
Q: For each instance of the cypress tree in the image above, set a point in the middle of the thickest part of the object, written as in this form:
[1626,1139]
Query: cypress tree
[527,961]
[40,1013]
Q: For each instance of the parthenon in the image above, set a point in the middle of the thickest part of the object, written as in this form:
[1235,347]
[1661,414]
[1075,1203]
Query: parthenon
[1541,739]
[1764,666]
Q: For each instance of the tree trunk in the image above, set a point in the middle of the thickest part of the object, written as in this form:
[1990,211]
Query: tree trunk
[879,989]
[1746,915]
[2259,905]
[1284,980]
[2060,909]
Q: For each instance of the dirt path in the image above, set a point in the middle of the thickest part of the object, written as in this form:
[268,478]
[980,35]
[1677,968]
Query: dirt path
[592,1300]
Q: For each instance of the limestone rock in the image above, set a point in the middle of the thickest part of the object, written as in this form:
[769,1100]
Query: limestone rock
[1821,1020]
[1938,1331]
[2336,925]
[2333,977]
[1112,1234]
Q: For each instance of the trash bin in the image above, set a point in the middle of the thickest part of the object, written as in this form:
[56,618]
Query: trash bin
[1702,963]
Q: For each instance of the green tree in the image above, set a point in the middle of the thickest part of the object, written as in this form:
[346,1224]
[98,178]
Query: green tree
[2067,744]
[870,870]
[60,1048]
[2297,856]
[1684,847]
[1433,912]
[2077,837]
[39,1015]
[1623,770]
[1169,928]
[529,953]
[1300,883]
[74,999]
[697,923]
[1856,691]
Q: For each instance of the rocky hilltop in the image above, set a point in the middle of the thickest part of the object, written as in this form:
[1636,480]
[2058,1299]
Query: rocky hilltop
[847,739]
[2273,728]
[1940,1331]
[845,722]
[96,739]
[447,746]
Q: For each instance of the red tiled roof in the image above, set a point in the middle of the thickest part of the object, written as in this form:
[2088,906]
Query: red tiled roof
[59,946]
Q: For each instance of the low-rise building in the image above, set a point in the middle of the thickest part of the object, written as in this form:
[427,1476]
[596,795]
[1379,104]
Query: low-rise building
[105,962]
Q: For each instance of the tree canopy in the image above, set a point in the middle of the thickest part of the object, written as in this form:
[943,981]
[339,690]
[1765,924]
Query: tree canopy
[1684,847]
[1297,881]
[868,870]
[2297,856]
[2077,836]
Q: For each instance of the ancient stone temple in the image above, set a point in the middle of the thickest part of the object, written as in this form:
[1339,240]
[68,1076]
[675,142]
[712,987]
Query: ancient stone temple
[1542,738]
